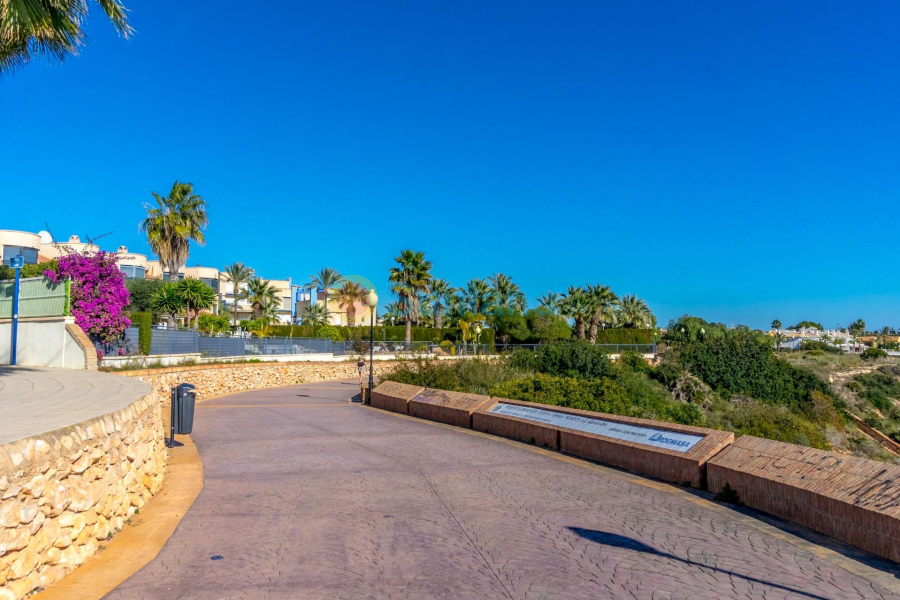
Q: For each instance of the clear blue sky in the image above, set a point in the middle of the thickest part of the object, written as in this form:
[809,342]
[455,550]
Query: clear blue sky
[738,161]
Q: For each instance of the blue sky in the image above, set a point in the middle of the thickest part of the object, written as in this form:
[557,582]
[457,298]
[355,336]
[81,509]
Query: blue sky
[738,161]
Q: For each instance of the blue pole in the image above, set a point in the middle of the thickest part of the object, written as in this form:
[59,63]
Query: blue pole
[15,320]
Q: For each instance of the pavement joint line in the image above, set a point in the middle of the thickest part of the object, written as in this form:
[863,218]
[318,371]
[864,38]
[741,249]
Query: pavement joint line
[140,540]
[871,574]
[289,405]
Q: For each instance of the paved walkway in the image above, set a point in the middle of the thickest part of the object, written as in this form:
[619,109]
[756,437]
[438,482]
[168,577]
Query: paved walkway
[308,496]
[35,400]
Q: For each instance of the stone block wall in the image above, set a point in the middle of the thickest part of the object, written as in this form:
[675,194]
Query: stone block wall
[218,380]
[64,492]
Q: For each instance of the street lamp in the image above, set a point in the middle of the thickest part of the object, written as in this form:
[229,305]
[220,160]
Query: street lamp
[16,262]
[372,301]
[477,338]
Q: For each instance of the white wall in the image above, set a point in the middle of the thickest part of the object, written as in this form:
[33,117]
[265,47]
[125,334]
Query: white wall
[42,343]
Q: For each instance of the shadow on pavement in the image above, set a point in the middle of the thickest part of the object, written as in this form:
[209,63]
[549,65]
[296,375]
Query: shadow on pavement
[621,541]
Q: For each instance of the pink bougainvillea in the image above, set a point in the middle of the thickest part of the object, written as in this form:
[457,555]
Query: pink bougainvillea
[99,295]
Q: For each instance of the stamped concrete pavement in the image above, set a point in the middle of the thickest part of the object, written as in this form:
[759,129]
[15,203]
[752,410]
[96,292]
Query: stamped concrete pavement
[309,496]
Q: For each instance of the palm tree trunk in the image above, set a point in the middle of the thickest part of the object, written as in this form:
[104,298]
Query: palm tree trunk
[408,330]
[438,315]
[595,325]
[579,326]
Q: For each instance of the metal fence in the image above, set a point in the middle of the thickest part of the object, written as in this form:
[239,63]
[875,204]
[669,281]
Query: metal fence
[608,348]
[38,297]
[267,346]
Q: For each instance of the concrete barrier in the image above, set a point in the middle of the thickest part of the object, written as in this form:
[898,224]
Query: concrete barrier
[394,396]
[514,428]
[667,451]
[452,408]
[852,499]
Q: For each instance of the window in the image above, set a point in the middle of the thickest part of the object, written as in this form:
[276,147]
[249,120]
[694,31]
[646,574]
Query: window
[30,254]
[166,276]
[213,283]
[133,271]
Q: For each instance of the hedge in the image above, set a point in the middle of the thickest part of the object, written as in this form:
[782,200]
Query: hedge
[144,322]
[36,270]
[383,333]
[626,336]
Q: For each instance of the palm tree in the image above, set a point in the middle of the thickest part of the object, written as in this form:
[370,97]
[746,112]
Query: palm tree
[441,290]
[196,296]
[476,293]
[393,314]
[604,301]
[316,314]
[238,275]
[577,304]
[48,28]
[173,223]
[635,313]
[883,335]
[326,279]
[348,296]
[779,339]
[260,292]
[776,325]
[167,301]
[550,301]
[269,311]
[409,279]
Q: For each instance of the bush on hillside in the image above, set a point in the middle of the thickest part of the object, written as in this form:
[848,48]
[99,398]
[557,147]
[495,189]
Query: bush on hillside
[880,387]
[873,354]
[813,345]
[768,421]
[564,359]
[603,395]
[634,361]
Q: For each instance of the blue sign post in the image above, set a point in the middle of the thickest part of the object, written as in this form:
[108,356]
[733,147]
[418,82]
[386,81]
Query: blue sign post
[16,263]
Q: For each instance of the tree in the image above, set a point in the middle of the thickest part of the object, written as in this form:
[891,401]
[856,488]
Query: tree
[141,292]
[393,314]
[440,292]
[212,324]
[348,296]
[604,302]
[634,312]
[883,334]
[779,339]
[50,29]
[577,305]
[239,275]
[326,279]
[316,314]
[510,326]
[505,294]
[546,326]
[476,294]
[408,279]
[776,325]
[98,294]
[171,225]
[195,296]
[550,301]
[806,325]
[167,301]
[260,292]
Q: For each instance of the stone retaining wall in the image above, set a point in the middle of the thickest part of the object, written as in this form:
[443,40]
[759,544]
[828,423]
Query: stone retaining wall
[63,493]
[218,380]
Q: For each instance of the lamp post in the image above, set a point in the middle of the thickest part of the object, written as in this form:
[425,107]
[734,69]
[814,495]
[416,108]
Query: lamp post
[16,263]
[372,302]
[477,338]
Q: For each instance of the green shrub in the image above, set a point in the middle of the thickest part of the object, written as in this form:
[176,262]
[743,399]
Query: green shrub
[822,347]
[144,322]
[873,354]
[880,388]
[768,421]
[141,293]
[329,332]
[427,372]
[36,270]
[564,359]
[634,361]
[208,323]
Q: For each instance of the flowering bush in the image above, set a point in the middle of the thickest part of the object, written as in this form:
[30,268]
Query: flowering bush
[99,296]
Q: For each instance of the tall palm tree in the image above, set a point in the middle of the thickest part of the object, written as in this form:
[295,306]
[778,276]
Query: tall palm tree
[634,312]
[348,296]
[196,296]
[238,274]
[260,292]
[476,293]
[48,28]
[326,279]
[316,314]
[883,334]
[577,305]
[440,290]
[506,294]
[776,325]
[550,301]
[171,225]
[269,311]
[408,280]
[604,301]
